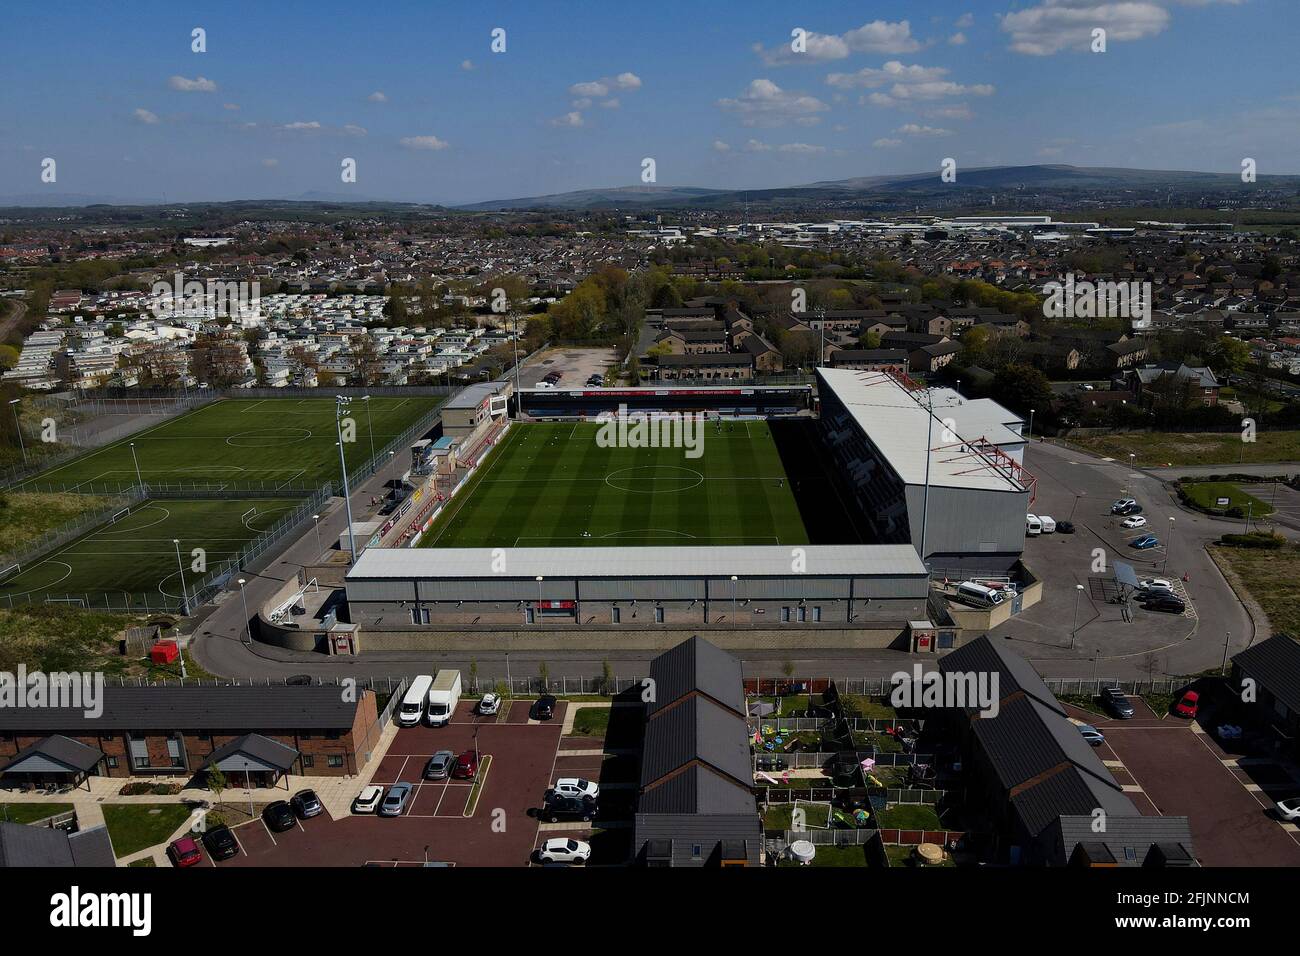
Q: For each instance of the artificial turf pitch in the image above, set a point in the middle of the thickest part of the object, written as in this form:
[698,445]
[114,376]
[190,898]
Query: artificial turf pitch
[272,442]
[133,561]
[553,485]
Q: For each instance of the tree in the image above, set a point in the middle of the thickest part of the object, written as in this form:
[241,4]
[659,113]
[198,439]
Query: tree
[216,782]
[1022,387]
[1227,356]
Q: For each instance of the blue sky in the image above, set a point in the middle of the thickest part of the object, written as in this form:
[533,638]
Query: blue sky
[585,91]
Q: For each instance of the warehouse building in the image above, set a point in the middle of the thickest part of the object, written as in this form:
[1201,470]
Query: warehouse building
[930,469]
[731,586]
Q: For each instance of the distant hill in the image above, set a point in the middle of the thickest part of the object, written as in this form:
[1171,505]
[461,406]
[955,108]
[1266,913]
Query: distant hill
[593,198]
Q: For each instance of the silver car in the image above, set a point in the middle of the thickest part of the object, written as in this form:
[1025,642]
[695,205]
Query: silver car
[439,765]
[395,801]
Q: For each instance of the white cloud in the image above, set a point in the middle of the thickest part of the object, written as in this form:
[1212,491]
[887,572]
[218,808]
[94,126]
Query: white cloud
[964,21]
[571,120]
[958,111]
[197,85]
[353,130]
[467,65]
[611,104]
[906,84]
[878,36]
[887,143]
[301,126]
[145,116]
[1056,25]
[378,96]
[914,129]
[806,149]
[594,88]
[765,104]
[627,81]
[720,147]
[233,107]
[891,72]
[603,86]
[957,39]
[581,104]
[423,142]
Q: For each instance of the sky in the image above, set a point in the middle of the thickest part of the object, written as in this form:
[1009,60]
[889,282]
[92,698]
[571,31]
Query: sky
[583,93]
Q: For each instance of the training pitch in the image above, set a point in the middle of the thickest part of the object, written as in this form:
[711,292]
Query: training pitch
[552,484]
[132,559]
[279,442]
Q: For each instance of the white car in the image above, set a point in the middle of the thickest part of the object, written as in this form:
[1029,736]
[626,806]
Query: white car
[1155,584]
[367,800]
[1289,809]
[577,787]
[544,384]
[489,705]
[1134,521]
[564,850]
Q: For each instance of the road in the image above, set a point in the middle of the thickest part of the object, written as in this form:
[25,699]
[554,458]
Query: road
[1069,481]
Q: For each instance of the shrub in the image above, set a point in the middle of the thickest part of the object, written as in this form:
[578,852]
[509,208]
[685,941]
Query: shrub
[1256,539]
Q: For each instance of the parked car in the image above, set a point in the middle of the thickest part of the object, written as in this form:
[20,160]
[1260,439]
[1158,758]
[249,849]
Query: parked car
[466,766]
[279,816]
[367,800]
[543,708]
[1155,584]
[556,808]
[395,801]
[489,705]
[545,384]
[1289,809]
[564,850]
[1048,524]
[1188,705]
[1092,735]
[577,787]
[185,852]
[439,765]
[1134,521]
[1145,542]
[1123,506]
[1115,701]
[1065,527]
[1164,601]
[306,804]
[221,843]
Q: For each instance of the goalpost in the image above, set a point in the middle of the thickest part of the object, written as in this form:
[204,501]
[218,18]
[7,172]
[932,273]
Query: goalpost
[250,513]
[12,569]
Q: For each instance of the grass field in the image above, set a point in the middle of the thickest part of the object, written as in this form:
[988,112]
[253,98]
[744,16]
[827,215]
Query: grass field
[24,517]
[1161,449]
[552,485]
[1207,494]
[282,441]
[1271,578]
[135,554]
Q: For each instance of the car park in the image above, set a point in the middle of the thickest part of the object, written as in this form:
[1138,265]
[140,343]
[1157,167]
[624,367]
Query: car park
[1145,542]
[1289,809]
[185,852]
[564,850]
[1124,506]
[439,765]
[395,800]
[489,705]
[221,843]
[306,804]
[1188,705]
[367,800]
[556,808]
[543,708]
[1117,703]
[466,766]
[577,787]
[1165,601]
[1091,734]
[279,816]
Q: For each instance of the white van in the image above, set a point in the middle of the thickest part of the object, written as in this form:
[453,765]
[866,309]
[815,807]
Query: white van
[1048,523]
[977,595]
[1033,525]
[411,710]
[444,694]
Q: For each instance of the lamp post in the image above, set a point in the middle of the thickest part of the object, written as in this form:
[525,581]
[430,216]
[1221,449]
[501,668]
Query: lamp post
[248,626]
[180,566]
[136,461]
[340,407]
[315,520]
[1078,593]
[370,426]
[18,427]
[1031,424]
[1168,546]
[538,615]
[1227,636]
[734,579]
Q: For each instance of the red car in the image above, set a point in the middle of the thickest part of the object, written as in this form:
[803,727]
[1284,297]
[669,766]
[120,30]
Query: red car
[466,766]
[185,852]
[1188,705]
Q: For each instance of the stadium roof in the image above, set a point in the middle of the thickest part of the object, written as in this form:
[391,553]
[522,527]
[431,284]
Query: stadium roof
[656,562]
[901,429]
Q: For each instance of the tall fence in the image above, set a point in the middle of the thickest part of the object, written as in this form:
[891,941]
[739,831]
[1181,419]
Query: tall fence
[57,537]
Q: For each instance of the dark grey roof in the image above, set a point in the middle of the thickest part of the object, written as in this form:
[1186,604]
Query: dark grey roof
[697,665]
[693,729]
[1275,664]
[230,707]
[475,395]
[250,750]
[697,790]
[72,754]
[45,847]
[708,358]
[684,832]
[1128,839]
[1015,674]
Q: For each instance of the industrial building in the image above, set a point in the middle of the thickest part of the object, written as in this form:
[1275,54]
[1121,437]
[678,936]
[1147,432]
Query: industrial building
[929,468]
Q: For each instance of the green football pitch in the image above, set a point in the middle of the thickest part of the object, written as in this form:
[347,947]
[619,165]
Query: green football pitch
[552,484]
[132,560]
[277,442]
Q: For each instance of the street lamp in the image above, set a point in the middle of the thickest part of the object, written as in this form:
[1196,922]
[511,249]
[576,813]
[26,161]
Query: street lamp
[13,404]
[370,426]
[1168,545]
[316,523]
[248,626]
[539,600]
[340,407]
[136,461]
[1078,593]
[1031,424]
[733,598]
[180,566]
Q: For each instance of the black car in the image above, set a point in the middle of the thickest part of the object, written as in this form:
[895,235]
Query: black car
[1165,602]
[221,843]
[279,816]
[543,708]
[1113,699]
[557,807]
[306,804]
[1065,527]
